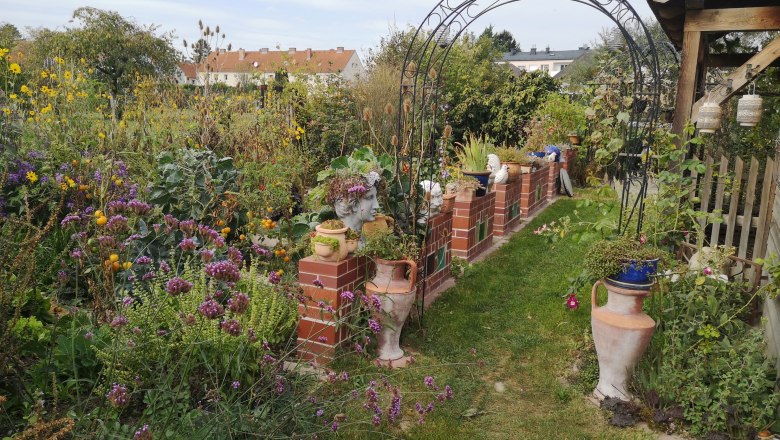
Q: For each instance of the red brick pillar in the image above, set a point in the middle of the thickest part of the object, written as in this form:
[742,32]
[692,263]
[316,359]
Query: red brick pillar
[534,190]
[507,213]
[569,156]
[553,185]
[472,226]
[318,331]
[438,249]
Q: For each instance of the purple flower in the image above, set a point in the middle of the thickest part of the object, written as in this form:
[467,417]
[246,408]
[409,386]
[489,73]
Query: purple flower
[429,382]
[164,267]
[359,189]
[139,207]
[136,330]
[707,271]
[62,276]
[268,359]
[188,227]
[176,286]
[259,250]
[170,221]
[448,392]
[147,276]
[143,260]
[89,336]
[323,339]
[70,219]
[98,177]
[335,426]
[119,321]
[116,207]
[231,327]
[347,295]
[235,256]
[376,420]
[235,385]
[395,407]
[224,270]
[211,309]
[318,283]
[206,255]
[319,412]
[131,343]
[117,396]
[279,384]
[117,223]
[143,434]
[238,303]
[187,245]
[274,277]
[374,326]
[358,348]
[127,301]
[162,332]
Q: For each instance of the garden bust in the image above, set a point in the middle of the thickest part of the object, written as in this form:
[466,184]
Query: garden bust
[354,198]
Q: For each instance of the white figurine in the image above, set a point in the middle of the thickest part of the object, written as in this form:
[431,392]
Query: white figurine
[502,176]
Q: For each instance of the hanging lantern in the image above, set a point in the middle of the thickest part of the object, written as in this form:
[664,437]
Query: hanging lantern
[709,117]
[749,110]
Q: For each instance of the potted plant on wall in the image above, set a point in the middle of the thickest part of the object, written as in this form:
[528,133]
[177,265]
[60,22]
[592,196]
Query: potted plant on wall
[515,160]
[325,248]
[395,283]
[623,262]
[463,188]
[473,158]
[352,238]
[336,230]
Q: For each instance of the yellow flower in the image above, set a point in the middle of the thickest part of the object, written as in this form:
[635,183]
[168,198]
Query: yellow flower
[13,96]
[70,97]
[59,60]
[14,68]
[101,135]
[32,177]
[67,74]
[46,109]
[25,89]
[6,110]
[44,74]
[3,51]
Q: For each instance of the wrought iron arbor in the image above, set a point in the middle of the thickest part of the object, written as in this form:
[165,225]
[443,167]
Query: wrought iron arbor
[424,64]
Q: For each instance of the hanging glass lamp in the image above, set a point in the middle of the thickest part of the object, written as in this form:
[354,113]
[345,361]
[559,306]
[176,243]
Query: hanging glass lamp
[709,117]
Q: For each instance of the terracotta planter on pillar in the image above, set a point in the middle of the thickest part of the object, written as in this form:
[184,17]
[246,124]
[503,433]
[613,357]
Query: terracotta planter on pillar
[397,294]
[621,333]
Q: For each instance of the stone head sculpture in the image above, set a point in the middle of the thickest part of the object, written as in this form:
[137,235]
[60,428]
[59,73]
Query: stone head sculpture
[354,199]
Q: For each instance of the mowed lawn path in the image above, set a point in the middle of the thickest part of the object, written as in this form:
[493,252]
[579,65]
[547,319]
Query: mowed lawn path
[509,308]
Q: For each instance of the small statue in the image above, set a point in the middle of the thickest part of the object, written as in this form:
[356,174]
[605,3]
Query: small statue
[502,176]
[493,165]
[358,203]
[434,199]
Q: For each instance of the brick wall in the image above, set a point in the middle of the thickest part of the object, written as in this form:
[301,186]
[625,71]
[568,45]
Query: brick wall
[553,182]
[533,195]
[472,226]
[438,250]
[318,333]
[507,213]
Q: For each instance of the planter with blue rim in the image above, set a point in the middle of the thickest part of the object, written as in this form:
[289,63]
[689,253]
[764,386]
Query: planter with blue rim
[483,177]
[635,274]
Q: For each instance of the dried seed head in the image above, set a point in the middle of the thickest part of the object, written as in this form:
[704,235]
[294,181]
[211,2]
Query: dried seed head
[207,31]
[433,107]
[216,29]
[200,24]
[433,73]
[407,105]
[185,43]
[367,114]
[447,131]
[394,140]
[389,109]
[411,69]
[230,46]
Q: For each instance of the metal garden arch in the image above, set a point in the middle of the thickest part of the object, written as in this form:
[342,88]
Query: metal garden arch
[423,70]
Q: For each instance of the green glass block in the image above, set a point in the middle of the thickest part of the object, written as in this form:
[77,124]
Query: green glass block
[539,192]
[441,258]
[482,231]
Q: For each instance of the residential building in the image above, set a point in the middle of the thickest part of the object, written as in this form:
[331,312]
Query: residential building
[550,61]
[187,74]
[244,67]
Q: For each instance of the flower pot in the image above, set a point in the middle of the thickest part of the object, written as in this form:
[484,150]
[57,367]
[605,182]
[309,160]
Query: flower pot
[465,195]
[635,275]
[515,169]
[338,234]
[397,294]
[448,203]
[621,334]
[352,245]
[483,177]
[381,222]
[325,252]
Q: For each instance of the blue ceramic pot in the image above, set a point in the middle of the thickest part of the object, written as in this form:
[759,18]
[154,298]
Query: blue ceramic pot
[636,274]
[483,177]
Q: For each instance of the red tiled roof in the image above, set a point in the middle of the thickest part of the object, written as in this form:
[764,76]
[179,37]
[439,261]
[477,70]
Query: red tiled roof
[189,69]
[310,61]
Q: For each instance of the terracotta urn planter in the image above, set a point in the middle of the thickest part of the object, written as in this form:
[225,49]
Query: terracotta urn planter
[448,203]
[397,294]
[574,139]
[338,234]
[352,245]
[325,252]
[515,169]
[465,195]
[621,333]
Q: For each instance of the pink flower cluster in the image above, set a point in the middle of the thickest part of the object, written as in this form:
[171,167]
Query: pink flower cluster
[224,270]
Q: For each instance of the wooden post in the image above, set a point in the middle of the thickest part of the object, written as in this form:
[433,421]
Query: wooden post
[687,82]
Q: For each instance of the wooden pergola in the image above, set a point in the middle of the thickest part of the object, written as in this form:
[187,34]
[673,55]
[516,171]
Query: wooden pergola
[692,24]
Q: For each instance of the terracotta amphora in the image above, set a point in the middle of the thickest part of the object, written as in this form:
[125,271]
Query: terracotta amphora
[397,294]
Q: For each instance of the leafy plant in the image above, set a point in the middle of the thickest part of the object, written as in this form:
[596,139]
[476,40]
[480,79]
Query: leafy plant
[509,154]
[328,241]
[352,235]
[473,154]
[609,257]
[333,224]
[386,245]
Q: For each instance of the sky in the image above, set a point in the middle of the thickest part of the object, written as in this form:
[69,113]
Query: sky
[324,24]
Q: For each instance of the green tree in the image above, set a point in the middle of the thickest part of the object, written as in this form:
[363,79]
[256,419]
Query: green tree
[200,50]
[117,48]
[9,35]
[503,41]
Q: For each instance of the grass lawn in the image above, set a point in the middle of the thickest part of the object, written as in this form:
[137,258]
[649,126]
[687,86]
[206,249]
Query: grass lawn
[510,309]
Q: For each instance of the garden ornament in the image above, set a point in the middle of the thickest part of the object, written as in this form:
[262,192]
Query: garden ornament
[355,213]
[434,199]
[494,164]
[502,176]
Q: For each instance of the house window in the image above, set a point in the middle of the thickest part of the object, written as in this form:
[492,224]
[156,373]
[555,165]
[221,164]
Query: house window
[226,77]
[562,66]
[533,67]
[545,67]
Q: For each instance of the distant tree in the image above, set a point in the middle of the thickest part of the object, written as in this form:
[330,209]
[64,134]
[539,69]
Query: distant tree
[117,48]
[9,35]
[502,41]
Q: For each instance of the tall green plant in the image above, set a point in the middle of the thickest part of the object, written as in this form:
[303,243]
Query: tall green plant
[473,154]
